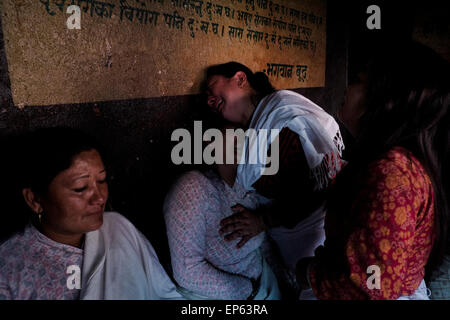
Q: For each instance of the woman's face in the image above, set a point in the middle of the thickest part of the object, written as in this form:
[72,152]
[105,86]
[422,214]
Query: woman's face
[76,198]
[227,96]
[354,104]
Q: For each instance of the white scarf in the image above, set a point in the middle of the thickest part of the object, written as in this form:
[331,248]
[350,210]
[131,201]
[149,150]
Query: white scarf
[318,132]
[119,263]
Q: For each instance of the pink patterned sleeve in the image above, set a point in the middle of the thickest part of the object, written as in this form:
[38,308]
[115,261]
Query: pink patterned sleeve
[186,209]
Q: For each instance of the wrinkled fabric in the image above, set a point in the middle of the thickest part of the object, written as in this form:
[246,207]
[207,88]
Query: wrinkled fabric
[204,264]
[121,264]
[318,131]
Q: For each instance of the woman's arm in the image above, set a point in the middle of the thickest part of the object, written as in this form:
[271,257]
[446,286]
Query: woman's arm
[292,191]
[292,187]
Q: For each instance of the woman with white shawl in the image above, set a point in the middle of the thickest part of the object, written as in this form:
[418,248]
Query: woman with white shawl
[68,247]
[304,144]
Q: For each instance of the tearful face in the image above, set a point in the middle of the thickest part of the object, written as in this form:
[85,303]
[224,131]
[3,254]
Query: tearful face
[225,96]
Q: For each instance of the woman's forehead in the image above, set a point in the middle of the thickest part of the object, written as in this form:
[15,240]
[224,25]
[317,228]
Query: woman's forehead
[214,79]
[82,167]
[91,157]
[84,161]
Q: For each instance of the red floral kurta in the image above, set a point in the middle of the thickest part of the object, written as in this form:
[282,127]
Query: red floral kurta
[391,226]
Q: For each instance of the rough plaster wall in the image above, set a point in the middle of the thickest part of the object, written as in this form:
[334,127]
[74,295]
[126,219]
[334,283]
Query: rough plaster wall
[114,56]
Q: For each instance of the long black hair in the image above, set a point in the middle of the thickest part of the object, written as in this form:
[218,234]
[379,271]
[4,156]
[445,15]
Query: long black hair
[258,80]
[407,104]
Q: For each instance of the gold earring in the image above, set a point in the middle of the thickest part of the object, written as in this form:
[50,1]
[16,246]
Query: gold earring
[39,213]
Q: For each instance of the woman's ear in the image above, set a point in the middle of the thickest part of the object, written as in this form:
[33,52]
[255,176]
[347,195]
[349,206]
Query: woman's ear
[241,78]
[32,200]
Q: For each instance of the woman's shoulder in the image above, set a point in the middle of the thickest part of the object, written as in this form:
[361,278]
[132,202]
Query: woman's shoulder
[400,165]
[15,242]
[280,95]
[15,251]
[190,195]
[285,103]
[192,177]
[398,158]
[193,182]
[288,94]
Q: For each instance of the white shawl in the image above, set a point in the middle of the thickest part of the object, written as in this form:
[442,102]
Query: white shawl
[119,263]
[318,131]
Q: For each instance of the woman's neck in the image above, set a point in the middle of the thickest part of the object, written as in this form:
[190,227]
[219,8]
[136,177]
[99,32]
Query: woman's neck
[250,110]
[74,240]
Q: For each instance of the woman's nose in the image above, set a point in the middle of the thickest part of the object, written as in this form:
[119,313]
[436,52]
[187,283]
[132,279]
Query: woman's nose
[98,196]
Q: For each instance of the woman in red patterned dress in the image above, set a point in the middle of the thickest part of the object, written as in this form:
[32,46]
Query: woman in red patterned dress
[386,225]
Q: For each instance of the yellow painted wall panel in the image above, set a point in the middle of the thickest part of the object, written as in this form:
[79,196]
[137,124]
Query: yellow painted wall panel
[150,48]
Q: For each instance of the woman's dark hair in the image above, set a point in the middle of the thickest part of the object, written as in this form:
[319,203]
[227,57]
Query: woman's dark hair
[258,80]
[407,104]
[51,151]
[35,159]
